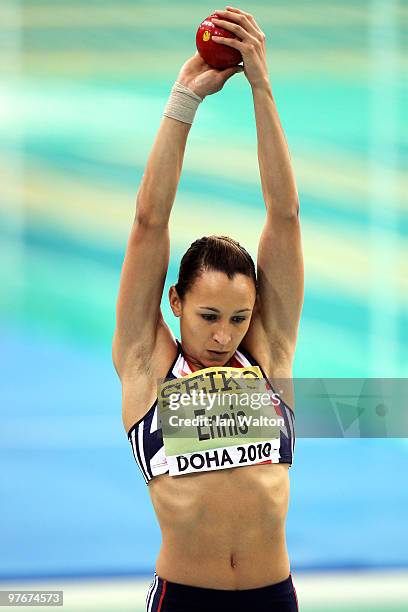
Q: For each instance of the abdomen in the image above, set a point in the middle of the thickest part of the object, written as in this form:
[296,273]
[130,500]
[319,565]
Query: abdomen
[223,529]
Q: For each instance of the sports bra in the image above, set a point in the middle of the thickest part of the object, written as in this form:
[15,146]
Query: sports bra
[146,437]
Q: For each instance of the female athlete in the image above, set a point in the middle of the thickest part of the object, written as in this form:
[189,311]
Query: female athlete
[223,530]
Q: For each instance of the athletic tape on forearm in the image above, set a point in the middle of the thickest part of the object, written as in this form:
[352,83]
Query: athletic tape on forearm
[182,103]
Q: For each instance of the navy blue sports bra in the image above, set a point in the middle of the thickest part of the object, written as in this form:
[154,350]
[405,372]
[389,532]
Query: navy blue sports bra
[146,438]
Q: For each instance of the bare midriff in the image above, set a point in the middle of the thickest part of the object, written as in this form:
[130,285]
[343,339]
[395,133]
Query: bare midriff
[223,529]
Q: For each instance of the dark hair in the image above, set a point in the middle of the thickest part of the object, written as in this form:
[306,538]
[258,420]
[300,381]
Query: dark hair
[220,253]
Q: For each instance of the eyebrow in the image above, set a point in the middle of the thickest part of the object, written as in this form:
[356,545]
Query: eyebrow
[216,309]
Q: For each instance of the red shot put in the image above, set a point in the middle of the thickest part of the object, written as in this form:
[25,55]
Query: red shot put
[215,54]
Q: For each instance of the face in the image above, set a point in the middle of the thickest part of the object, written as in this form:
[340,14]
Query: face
[214,316]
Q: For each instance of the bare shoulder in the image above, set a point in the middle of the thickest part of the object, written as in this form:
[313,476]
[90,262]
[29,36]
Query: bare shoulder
[139,384]
[274,358]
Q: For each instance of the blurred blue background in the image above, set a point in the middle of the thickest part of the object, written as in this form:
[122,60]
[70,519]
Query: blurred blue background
[83,87]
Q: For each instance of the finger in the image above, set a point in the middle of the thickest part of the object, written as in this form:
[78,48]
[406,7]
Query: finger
[230,42]
[242,19]
[237,10]
[229,72]
[232,27]
[250,17]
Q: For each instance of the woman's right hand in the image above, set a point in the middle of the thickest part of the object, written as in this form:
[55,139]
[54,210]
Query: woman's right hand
[201,78]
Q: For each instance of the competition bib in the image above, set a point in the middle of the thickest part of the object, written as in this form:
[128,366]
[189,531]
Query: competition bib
[218,418]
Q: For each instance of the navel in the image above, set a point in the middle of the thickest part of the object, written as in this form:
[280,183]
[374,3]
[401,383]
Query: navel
[233,561]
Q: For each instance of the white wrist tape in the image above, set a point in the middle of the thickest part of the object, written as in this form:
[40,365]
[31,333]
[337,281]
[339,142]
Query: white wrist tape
[182,103]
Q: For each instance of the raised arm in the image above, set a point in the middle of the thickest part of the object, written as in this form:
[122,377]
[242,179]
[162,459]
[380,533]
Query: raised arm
[138,315]
[148,249]
[280,258]
[280,261]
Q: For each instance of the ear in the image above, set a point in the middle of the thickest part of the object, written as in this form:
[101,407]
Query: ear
[175,301]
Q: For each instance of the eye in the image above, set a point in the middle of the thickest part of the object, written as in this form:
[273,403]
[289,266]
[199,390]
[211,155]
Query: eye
[209,317]
[238,319]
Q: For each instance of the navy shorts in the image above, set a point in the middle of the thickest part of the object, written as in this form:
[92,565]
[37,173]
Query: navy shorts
[165,596]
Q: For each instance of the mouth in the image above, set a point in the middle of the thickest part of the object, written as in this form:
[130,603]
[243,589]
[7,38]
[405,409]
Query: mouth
[219,352]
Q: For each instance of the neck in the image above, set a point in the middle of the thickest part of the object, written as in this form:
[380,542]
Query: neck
[196,365]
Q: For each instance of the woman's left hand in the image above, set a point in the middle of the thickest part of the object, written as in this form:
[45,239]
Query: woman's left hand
[250,42]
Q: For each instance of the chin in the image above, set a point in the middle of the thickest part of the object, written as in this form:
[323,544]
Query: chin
[219,359]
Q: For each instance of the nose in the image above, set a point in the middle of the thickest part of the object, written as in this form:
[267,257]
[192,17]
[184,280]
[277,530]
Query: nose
[222,336]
